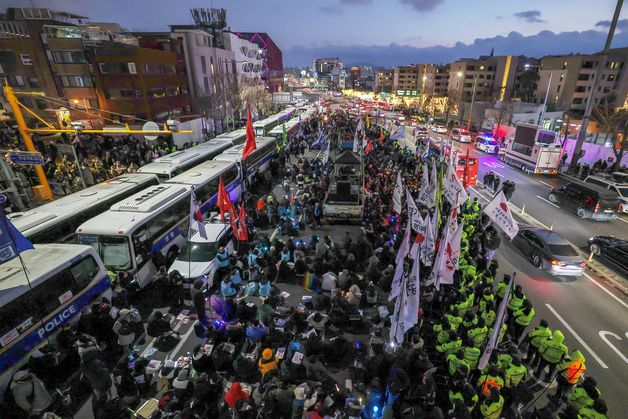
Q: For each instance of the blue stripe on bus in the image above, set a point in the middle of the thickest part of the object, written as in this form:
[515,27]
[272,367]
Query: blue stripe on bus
[22,346]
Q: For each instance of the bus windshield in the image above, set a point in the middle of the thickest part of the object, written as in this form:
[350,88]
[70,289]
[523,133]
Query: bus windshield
[114,252]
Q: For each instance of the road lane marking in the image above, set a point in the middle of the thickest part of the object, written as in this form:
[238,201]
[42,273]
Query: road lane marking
[549,202]
[603,334]
[479,194]
[578,338]
[546,184]
[606,291]
[621,219]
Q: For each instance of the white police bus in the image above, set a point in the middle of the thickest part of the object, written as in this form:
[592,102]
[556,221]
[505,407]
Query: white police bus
[62,280]
[235,137]
[258,160]
[56,221]
[292,127]
[173,164]
[263,126]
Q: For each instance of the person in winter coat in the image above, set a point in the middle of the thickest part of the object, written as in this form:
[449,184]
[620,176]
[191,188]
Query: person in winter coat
[552,352]
[124,382]
[123,327]
[201,361]
[158,324]
[30,394]
[314,369]
[198,299]
[234,394]
[268,362]
[298,402]
[94,369]
[354,295]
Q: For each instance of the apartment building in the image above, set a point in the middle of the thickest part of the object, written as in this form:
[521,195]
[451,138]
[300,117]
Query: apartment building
[569,80]
[383,81]
[406,80]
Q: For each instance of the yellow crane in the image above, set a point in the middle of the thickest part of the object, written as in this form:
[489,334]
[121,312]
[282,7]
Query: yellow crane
[43,191]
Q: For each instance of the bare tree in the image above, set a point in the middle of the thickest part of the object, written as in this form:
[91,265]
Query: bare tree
[613,122]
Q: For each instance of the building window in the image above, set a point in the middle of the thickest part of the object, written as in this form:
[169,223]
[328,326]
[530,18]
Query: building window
[69,57]
[76,81]
[159,69]
[26,59]
[156,92]
[33,81]
[588,64]
[584,77]
[114,68]
[610,77]
[128,93]
[206,84]
[173,91]
[580,89]
[562,76]
[558,88]
[16,80]
[203,65]
[577,101]
[565,65]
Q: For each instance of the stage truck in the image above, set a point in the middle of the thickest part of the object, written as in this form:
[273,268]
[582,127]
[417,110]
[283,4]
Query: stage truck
[345,199]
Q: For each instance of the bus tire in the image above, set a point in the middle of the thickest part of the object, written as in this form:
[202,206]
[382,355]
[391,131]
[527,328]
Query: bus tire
[581,213]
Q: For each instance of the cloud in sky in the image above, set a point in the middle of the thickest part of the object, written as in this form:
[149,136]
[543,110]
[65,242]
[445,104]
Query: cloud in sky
[530,16]
[330,9]
[423,5]
[539,45]
[356,2]
[622,24]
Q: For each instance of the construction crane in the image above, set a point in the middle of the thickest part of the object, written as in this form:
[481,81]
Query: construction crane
[43,191]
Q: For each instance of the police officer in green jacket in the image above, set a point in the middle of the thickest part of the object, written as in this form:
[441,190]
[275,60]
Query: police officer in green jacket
[597,411]
[500,289]
[471,353]
[453,344]
[536,338]
[585,394]
[517,297]
[514,375]
[492,407]
[457,364]
[552,352]
[522,319]
[479,333]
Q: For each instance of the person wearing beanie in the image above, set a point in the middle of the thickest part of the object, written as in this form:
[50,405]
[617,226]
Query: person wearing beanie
[298,402]
[268,362]
[124,329]
[201,361]
[182,385]
[317,321]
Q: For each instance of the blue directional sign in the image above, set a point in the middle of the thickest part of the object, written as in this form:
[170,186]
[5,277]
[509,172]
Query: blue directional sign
[26,158]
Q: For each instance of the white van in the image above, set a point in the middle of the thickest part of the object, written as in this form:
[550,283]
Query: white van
[620,188]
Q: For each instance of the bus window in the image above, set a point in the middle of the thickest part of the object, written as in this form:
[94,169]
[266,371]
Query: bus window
[84,271]
[115,252]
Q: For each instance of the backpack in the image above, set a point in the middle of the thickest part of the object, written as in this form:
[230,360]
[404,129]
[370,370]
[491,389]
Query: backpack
[8,407]
[166,342]
[125,329]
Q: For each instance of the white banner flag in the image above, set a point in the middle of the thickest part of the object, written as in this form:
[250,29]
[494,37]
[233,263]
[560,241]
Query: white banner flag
[497,327]
[452,257]
[431,200]
[429,247]
[499,211]
[397,194]
[326,153]
[403,251]
[453,220]
[439,262]
[413,294]
[356,145]
[196,219]
[419,239]
[424,188]
[454,191]
[413,213]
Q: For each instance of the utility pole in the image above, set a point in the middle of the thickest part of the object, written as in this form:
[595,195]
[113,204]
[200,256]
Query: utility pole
[596,82]
[475,81]
[542,113]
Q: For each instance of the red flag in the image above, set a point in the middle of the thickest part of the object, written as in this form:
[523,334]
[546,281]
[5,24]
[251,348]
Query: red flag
[243,233]
[223,202]
[250,145]
[369,147]
[233,219]
[381,135]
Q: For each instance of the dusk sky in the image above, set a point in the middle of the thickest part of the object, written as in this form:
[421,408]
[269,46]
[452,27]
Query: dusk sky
[383,32]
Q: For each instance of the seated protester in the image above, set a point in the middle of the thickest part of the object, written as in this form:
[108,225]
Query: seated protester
[314,369]
[182,386]
[354,295]
[268,362]
[285,273]
[264,288]
[245,370]
[234,394]
[158,324]
[30,394]
[343,279]
[246,409]
[317,321]
[201,361]
[236,277]
[300,269]
[227,289]
[256,332]
[124,381]
[321,301]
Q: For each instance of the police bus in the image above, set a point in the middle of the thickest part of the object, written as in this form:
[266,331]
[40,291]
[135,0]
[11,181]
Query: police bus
[258,160]
[173,164]
[62,280]
[155,220]
[292,127]
[56,221]
[263,127]
[235,137]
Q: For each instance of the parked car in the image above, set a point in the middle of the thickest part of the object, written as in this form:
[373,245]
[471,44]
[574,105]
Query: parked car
[620,187]
[421,130]
[614,251]
[460,134]
[487,144]
[587,200]
[439,129]
[196,258]
[547,250]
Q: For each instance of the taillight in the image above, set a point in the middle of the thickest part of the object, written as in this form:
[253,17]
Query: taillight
[558,262]
[583,265]
[619,207]
[597,207]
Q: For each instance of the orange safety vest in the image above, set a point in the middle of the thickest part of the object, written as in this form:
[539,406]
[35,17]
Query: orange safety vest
[491,382]
[261,205]
[574,370]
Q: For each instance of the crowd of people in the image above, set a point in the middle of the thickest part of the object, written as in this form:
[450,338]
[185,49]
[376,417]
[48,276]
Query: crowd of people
[329,355]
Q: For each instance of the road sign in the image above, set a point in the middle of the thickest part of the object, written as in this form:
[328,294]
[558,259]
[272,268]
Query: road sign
[26,158]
